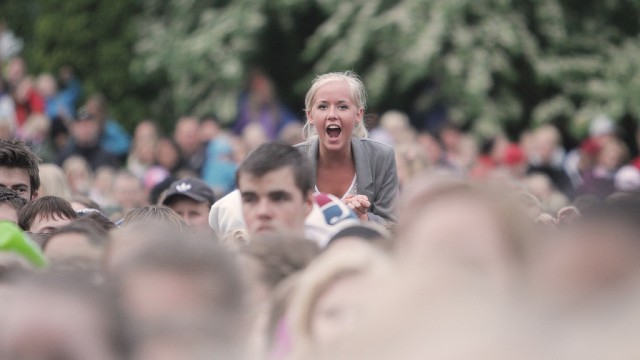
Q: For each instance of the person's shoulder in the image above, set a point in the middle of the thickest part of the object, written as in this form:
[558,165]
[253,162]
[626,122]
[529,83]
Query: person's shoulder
[376,146]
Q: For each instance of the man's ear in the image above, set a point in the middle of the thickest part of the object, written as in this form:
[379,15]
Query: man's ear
[360,115]
[34,195]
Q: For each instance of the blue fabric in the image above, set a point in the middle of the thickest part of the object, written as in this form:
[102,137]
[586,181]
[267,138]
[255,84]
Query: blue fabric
[219,170]
[115,138]
[271,125]
[64,103]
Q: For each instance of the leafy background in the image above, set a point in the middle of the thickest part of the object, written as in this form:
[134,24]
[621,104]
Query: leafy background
[486,64]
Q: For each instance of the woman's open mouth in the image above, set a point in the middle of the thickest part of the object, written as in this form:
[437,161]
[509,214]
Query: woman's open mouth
[333,131]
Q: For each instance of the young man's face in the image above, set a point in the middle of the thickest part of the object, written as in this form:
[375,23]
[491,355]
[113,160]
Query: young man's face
[194,213]
[47,224]
[17,179]
[273,203]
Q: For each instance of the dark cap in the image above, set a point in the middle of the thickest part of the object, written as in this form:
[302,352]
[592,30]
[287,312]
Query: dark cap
[195,189]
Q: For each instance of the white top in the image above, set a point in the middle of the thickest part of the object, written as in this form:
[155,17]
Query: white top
[351,191]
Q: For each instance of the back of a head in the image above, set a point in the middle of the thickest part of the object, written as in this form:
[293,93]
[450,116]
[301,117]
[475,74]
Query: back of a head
[94,232]
[328,269]
[98,105]
[280,256]
[129,240]
[198,258]
[369,232]
[97,217]
[623,210]
[206,296]
[84,202]
[395,121]
[467,226]
[82,307]
[154,214]
[276,155]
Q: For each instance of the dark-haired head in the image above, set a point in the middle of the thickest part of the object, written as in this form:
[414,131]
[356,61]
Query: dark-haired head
[14,154]
[46,207]
[276,155]
[13,201]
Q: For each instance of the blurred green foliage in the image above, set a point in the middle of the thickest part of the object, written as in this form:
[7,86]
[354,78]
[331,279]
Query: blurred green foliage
[494,63]
[507,64]
[96,38]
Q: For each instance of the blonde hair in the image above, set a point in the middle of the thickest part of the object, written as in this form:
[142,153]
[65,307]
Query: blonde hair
[358,96]
[53,181]
[318,277]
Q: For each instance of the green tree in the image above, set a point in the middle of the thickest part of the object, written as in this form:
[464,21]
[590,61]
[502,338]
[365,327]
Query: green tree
[494,63]
[96,38]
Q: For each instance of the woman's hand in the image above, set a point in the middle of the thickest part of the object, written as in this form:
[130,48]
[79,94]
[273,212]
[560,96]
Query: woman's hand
[360,204]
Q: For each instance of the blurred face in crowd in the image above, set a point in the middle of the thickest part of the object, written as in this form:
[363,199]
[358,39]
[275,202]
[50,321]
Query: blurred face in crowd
[17,179]
[209,129]
[78,174]
[612,155]
[86,132]
[16,70]
[273,203]
[450,138]
[545,143]
[128,191]
[45,224]
[25,87]
[193,212]
[334,115]
[145,138]
[46,85]
[167,155]
[96,110]
[431,147]
[187,135]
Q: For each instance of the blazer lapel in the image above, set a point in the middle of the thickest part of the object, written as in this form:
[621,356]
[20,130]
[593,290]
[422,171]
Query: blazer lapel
[364,177]
[312,153]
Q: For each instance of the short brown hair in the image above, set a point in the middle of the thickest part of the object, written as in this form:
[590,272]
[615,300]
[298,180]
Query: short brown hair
[155,213]
[47,207]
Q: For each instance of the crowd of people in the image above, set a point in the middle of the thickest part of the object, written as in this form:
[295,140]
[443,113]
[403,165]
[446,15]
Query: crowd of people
[311,238]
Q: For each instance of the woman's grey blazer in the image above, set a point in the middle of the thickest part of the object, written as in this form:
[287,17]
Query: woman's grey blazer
[376,174]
